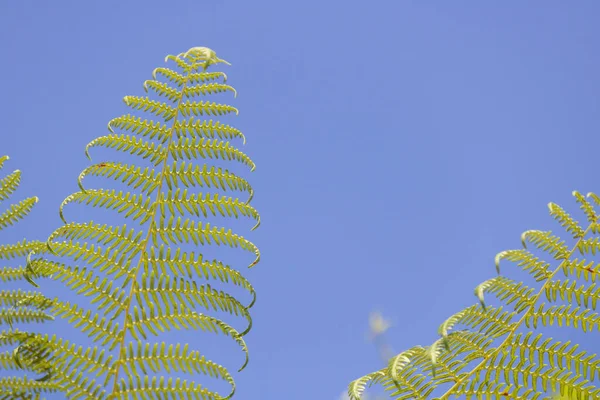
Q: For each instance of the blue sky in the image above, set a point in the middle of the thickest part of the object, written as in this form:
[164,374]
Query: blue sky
[399,146]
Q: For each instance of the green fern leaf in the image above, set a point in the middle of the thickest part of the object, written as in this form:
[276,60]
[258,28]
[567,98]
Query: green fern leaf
[145,128]
[19,308]
[145,281]
[207,129]
[489,352]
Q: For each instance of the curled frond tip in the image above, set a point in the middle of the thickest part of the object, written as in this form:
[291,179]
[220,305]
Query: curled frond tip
[201,53]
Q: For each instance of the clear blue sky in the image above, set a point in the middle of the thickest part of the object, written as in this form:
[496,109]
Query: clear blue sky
[399,146]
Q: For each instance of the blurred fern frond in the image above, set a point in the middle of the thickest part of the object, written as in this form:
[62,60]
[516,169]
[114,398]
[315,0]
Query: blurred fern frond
[487,351]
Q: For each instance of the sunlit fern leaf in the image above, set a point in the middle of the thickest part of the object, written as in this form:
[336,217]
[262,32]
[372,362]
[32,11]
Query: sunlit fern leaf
[357,387]
[400,361]
[141,127]
[506,290]
[140,147]
[539,269]
[207,129]
[20,308]
[566,220]
[547,242]
[144,281]
[487,351]
[17,388]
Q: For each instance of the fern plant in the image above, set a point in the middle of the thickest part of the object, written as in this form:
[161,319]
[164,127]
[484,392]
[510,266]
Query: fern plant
[20,307]
[144,281]
[499,352]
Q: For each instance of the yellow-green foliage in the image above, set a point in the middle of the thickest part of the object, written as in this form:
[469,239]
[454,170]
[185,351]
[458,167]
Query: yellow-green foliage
[487,352]
[142,281]
[20,307]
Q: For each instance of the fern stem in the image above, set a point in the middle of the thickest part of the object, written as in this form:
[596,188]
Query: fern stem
[520,322]
[147,239]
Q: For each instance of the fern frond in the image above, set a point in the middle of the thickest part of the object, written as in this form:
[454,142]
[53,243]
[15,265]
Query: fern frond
[143,282]
[482,354]
[20,307]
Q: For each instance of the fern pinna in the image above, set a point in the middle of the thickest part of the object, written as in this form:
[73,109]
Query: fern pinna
[146,281]
[20,308]
[498,352]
